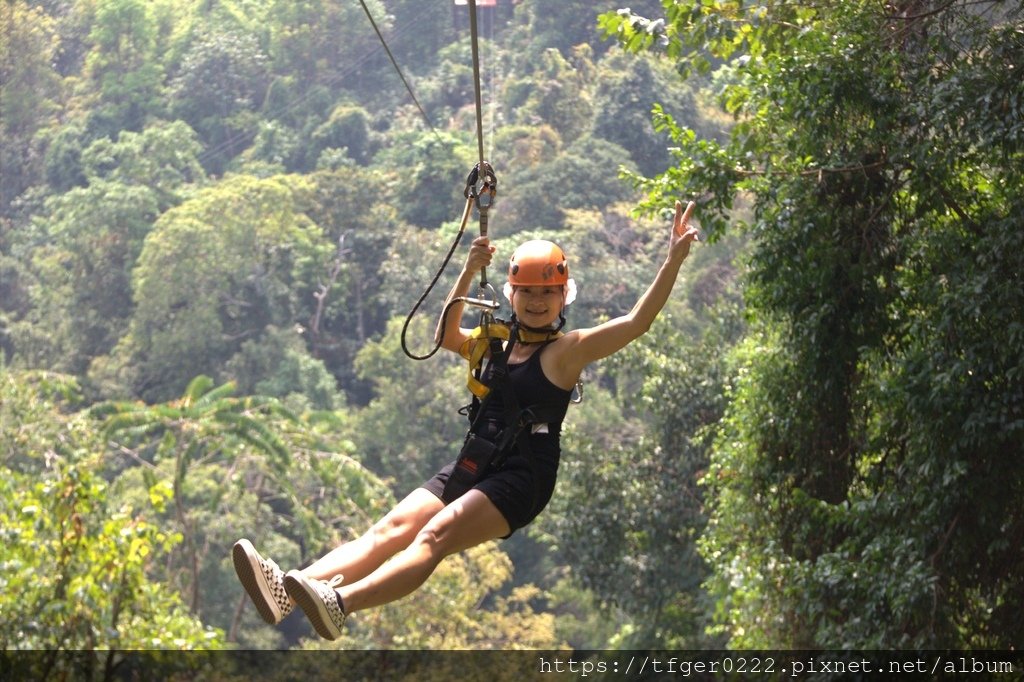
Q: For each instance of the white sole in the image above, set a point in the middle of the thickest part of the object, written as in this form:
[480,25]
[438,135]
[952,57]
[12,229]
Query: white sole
[306,596]
[247,566]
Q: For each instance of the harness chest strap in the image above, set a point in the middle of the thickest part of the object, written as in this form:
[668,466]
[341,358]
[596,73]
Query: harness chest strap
[479,342]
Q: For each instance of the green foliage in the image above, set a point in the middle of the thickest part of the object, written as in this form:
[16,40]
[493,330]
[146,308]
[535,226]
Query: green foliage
[347,128]
[591,158]
[30,86]
[207,279]
[123,65]
[278,365]
[355,292]
[554,93]
[163,158]
[562,23]
[629,88]
[76,563]
[219,467]
[411,428]
[80,285]
[220,84]
[428,165]
[872,405]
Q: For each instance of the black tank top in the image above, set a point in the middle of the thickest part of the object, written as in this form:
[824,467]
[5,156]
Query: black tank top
[531,387]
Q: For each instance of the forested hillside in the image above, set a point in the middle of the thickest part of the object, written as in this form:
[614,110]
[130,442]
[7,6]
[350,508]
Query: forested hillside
[215,216]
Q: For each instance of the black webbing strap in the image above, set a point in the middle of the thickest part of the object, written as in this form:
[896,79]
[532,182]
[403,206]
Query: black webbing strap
[486,448]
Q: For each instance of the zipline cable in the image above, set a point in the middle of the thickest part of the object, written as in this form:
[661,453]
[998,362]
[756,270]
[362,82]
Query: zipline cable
[398,70]
[473,35]
[337,77]
[485,195]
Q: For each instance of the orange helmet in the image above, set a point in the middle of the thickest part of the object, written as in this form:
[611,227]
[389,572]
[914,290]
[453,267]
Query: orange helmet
[538,263]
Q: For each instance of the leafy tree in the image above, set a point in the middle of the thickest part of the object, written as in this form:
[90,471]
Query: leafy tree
[279,365]
[433,169]
[30,89]
[542,197]
[450,89]
[85,244]
[323,43]
[76,564]
[564,24]
[62,162]
[407,434]
[237,466]
[432,26]
[209,279]
[864,436]
[525,146]
[351,304]
[553,92]
[122,65]
[219,86]
[628,88]
[347,128]
[79,292]
[163,157]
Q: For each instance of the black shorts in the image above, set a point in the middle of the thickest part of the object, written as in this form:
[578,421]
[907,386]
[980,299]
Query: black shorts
[519,491]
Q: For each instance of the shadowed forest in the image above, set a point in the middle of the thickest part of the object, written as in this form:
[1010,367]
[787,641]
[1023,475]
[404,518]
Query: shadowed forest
[215,216]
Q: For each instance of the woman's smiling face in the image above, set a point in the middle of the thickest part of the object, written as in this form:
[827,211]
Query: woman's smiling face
[537,306]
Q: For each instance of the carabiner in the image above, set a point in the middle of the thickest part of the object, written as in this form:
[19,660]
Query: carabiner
[481,185]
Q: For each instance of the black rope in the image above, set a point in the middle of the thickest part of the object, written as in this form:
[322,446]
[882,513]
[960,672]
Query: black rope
[430,287]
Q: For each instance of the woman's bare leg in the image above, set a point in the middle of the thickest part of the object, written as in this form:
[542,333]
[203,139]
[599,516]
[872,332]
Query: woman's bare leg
[359,558]
[466,522]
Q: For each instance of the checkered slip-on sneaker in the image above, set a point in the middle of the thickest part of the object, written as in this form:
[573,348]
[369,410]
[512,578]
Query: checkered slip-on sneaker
[263,580]
[319,600]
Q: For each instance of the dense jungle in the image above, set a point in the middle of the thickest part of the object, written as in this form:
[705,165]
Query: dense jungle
[216,215]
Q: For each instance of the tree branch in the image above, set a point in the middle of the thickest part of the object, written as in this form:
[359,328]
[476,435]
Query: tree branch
[323,289]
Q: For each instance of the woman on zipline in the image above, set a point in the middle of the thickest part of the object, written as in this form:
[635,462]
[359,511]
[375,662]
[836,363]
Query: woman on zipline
[434,521]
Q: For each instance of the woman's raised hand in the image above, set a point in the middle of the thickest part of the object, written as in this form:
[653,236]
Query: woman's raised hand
[683,234]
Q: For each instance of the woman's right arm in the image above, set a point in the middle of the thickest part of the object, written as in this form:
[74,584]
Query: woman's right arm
[450,327]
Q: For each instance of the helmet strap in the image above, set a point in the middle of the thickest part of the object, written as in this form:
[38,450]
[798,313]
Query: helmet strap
[546,333]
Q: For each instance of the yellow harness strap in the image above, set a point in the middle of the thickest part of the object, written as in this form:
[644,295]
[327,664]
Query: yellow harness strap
[479,342]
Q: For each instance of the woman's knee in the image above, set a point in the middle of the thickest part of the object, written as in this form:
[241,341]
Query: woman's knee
[403,523]
[465,523]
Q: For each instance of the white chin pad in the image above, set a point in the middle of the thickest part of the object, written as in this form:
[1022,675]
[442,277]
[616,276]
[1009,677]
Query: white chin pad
[570,291]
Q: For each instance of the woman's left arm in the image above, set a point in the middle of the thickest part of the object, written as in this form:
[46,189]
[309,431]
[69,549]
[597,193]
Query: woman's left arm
[581,347]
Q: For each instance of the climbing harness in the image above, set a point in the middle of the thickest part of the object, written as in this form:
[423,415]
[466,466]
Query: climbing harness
[489,443]
[481,340]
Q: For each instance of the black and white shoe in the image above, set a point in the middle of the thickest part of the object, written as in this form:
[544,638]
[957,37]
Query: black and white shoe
[319,600]
[263,580]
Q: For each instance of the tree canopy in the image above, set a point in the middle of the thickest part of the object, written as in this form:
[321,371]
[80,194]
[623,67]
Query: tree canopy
[215,217]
